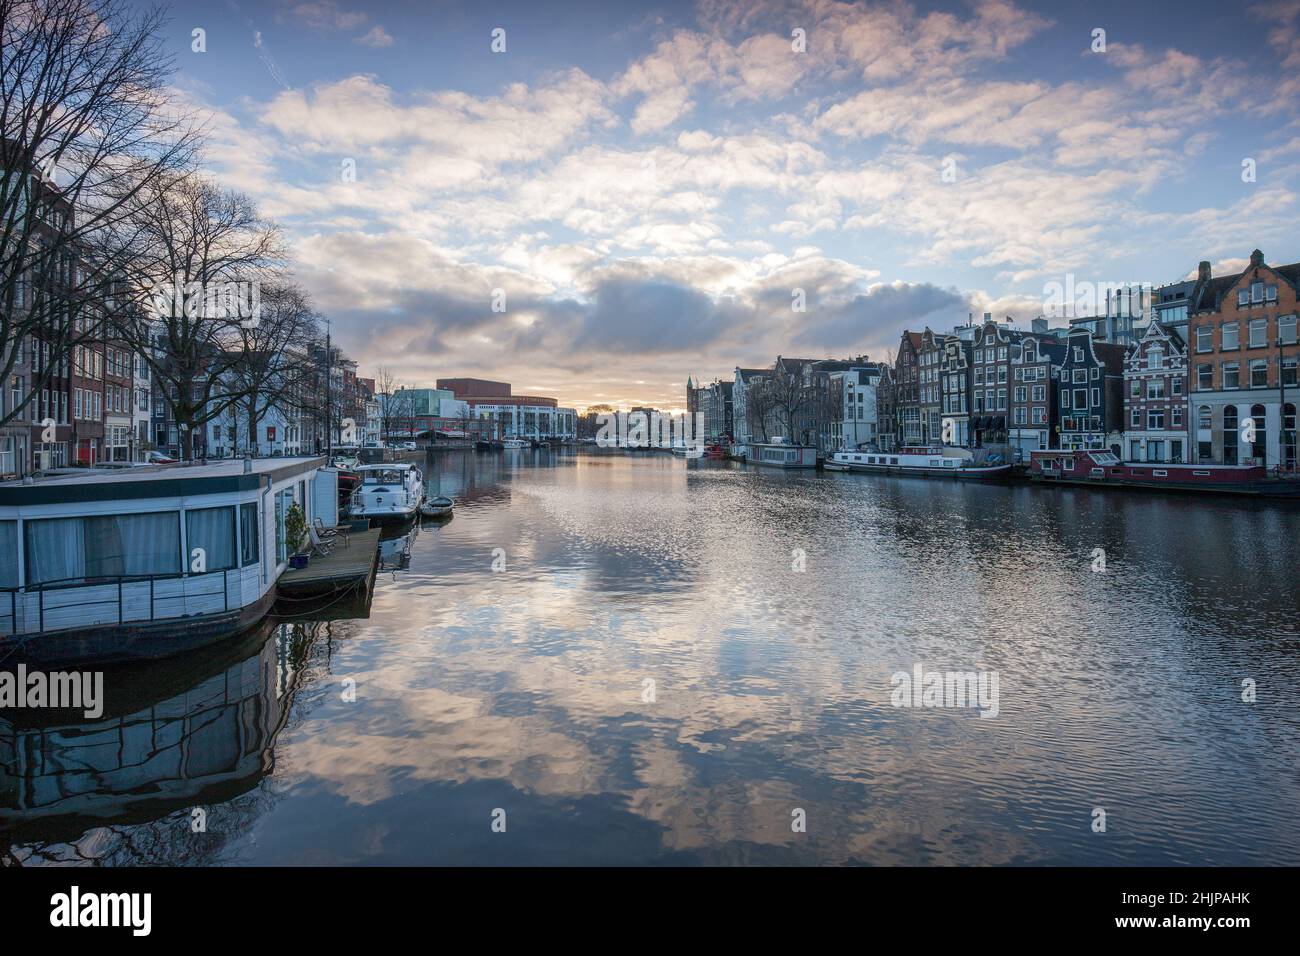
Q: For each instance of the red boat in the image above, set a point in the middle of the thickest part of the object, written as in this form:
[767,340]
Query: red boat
[1103,469]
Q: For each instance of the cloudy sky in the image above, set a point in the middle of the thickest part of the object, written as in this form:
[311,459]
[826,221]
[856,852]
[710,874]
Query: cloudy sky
[650,183]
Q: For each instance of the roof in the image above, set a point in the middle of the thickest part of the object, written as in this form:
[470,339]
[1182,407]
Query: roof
[152,481]
[1209,296]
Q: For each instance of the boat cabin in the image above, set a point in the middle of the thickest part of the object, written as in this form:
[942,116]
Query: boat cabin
[118,564]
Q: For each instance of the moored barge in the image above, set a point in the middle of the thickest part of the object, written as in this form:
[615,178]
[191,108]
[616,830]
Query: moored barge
[1102,469]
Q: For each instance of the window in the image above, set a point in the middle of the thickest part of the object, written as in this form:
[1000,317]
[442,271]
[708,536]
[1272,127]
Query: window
[1039,393]
[213,530]
[1096,372]
[1231,337]
[1258,332]
[1096,396]
[1155,357]
[1078,354]
[1231,375]
[1156,388]
[1286,328]
[1136,389]
[1156,419]
[1080,398]
[1204,377]
[1176,385]
[1289,371]
[1135,418]
[8,554]
[1176,417]
[1259,373]
[74,549]
[1079,375]
[1204,339]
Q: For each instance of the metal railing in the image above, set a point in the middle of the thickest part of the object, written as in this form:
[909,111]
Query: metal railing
[117,582]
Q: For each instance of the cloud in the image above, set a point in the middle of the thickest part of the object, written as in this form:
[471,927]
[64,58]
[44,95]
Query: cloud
[377,37]
[327,15]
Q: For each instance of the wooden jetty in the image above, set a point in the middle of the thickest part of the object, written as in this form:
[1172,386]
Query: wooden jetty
[350,565]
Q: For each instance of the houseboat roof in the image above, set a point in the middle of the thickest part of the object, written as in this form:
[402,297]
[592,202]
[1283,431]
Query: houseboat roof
[151,481]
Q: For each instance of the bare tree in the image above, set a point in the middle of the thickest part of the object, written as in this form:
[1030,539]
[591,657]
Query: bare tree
[198,258]
[385,384]
[87,128]
[274,367]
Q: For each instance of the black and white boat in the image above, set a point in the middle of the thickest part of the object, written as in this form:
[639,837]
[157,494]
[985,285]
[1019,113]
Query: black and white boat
[391,491]
[932,462]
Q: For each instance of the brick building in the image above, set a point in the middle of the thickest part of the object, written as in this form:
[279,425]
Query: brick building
[1244,353]
[1155,397]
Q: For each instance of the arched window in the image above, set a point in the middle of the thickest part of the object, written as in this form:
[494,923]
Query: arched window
[1259,448]
[1203,417]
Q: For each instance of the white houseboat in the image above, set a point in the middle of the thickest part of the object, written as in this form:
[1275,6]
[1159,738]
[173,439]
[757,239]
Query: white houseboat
[389,492]
[936,462]
[121,564]
[780,453]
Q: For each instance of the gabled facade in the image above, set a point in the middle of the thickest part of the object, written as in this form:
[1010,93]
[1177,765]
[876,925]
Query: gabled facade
[1035,372]
[1244,353]
[1155,398]
[955,391]
[930,388]
[1091,393]
[907,391]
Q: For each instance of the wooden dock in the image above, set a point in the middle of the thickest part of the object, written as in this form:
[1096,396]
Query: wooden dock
[348,565]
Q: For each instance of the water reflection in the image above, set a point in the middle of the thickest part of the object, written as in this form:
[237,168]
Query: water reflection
[197,731]
[522,684]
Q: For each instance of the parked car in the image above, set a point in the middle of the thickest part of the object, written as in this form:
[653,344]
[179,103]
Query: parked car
[409,446]
[158,458]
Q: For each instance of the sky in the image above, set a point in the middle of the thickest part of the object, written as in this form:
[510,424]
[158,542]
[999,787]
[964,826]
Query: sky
[629,194]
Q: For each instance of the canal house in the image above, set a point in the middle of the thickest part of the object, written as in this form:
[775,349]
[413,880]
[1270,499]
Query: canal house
[104,565]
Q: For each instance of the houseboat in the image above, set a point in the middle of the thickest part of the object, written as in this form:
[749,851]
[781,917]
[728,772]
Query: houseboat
[931,462]
[104,565]
[389,492]
[1103,469]
[780,453]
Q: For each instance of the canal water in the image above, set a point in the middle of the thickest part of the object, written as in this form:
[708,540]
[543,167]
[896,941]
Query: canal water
[633,659]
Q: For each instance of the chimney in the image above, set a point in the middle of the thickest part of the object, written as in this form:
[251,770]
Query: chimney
[1256,259]
[1203,271]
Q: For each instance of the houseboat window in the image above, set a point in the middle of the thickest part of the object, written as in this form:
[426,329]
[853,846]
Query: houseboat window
[1160,473]
[893,461]
[1201,474]
[213,530]
[248,534]
[1069,463]
[8,554]
[71,549]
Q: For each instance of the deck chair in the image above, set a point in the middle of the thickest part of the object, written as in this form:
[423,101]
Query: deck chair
[319,546]
[329,534]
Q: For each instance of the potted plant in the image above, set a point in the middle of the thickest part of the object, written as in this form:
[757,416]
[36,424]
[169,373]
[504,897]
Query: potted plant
[295,530]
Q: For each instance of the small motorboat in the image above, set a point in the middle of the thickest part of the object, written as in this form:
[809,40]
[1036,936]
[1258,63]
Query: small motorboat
[511,443]
[438,506]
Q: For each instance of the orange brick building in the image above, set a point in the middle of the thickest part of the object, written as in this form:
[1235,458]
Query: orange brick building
[1243,352]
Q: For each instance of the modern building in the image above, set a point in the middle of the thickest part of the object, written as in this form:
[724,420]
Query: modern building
[512,416]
